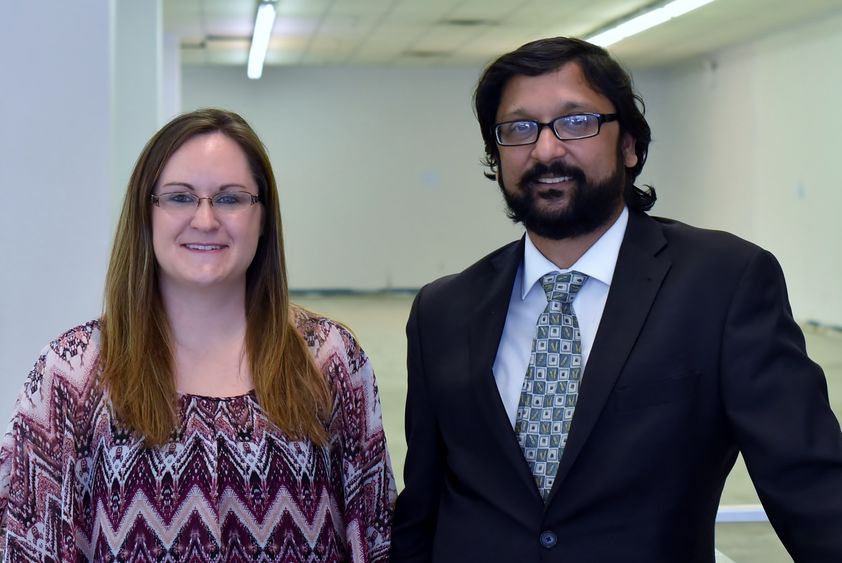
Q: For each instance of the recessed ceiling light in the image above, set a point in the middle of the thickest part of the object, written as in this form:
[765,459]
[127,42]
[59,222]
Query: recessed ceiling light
[648,19]
[263,23]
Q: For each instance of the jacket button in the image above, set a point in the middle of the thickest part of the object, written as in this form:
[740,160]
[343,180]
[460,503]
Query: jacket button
[548,539]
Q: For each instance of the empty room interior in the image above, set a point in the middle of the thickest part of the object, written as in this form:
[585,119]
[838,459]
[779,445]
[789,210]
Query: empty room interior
[365,108]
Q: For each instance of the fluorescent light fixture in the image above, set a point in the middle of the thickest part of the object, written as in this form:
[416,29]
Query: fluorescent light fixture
[263,24]
[645,21]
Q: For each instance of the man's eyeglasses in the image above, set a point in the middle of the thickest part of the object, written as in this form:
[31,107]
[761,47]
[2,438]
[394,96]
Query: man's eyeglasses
[565,128]
[222,202]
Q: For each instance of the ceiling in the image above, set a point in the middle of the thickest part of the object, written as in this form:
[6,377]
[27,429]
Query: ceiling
[463,32]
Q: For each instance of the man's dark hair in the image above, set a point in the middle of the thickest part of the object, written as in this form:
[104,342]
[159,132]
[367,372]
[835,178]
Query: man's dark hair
[602,73]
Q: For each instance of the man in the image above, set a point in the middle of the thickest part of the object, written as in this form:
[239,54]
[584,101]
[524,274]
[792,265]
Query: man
[682,340]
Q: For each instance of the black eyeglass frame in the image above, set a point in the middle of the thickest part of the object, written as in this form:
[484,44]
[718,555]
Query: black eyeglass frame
[157,197]
[600,119]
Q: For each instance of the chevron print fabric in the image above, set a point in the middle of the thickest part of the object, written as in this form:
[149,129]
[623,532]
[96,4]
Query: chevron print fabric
[74,486]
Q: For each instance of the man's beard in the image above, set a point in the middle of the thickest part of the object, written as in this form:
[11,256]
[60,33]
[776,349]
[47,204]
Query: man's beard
[590,205]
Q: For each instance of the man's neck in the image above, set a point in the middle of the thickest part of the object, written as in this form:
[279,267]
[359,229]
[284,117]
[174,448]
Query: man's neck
[565,252]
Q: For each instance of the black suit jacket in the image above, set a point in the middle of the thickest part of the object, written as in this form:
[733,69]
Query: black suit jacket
[696,357]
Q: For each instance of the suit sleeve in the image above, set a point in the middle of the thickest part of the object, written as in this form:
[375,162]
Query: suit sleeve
[777,400]
[417,506]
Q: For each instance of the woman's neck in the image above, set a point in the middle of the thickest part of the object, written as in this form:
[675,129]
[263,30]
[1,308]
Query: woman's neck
[208,328]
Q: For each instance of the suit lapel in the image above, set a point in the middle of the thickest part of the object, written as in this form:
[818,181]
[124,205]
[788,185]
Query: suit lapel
[487,323]
[637,278]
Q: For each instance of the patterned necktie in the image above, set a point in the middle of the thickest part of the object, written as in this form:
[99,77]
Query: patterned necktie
[551,385]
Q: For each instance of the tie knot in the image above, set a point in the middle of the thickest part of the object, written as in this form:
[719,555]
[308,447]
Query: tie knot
[563,288]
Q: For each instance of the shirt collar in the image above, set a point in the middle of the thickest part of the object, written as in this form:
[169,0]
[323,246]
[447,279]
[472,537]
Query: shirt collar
[597,262]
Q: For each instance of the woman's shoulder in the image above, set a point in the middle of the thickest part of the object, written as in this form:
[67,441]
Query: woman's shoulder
[78,341]
[328,338]
[70,362]
[76,347]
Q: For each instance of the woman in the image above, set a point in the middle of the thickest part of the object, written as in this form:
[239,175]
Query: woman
[202,418]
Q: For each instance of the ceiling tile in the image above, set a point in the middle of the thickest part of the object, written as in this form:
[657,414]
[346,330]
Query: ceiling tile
[347,32]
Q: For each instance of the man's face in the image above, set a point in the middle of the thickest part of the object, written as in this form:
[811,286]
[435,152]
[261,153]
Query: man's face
[560,189]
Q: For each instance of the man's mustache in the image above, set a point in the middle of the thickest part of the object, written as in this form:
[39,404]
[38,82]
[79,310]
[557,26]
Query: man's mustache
[552,169]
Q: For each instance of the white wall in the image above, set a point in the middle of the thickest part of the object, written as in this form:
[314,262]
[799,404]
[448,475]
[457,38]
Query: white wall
[378,169]
[701,156]
[748,141]
[799,166]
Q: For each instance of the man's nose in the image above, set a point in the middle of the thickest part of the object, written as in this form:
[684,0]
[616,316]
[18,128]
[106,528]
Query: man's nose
[548,148]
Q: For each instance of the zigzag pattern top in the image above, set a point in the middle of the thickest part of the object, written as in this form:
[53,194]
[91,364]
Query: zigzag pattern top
[76,486]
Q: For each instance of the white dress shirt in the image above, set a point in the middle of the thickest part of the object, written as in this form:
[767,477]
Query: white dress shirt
[528,301]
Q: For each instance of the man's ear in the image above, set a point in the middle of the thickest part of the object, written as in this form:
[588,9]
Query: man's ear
[627,147]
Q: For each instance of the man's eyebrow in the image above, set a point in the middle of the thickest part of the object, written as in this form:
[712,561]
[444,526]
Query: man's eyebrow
[565,109]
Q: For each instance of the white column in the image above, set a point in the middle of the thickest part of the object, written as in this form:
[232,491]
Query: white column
[172,77]
[137,85]
[77,102]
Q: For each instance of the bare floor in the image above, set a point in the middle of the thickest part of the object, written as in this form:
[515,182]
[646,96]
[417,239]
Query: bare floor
[378,322]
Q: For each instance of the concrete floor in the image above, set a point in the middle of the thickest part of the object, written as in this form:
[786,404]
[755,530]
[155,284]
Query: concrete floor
[378,322]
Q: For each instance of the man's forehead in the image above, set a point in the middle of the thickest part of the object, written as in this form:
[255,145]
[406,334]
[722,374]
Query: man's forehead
[564,89]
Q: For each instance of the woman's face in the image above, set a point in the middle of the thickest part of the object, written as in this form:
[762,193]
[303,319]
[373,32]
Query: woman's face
[205,246]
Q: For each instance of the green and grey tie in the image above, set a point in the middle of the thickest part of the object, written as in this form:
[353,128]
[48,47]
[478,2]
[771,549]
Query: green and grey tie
[551,385]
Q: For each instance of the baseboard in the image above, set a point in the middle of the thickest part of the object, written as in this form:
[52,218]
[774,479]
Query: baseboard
[824,328]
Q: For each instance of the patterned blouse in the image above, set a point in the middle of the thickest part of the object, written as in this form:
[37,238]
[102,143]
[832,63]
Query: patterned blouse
[75,486]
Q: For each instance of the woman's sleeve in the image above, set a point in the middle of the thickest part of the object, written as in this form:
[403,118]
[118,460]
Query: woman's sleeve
[37,467]
[369,484]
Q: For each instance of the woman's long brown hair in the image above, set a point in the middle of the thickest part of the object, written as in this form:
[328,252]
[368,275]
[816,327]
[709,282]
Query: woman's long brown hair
[137,354]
